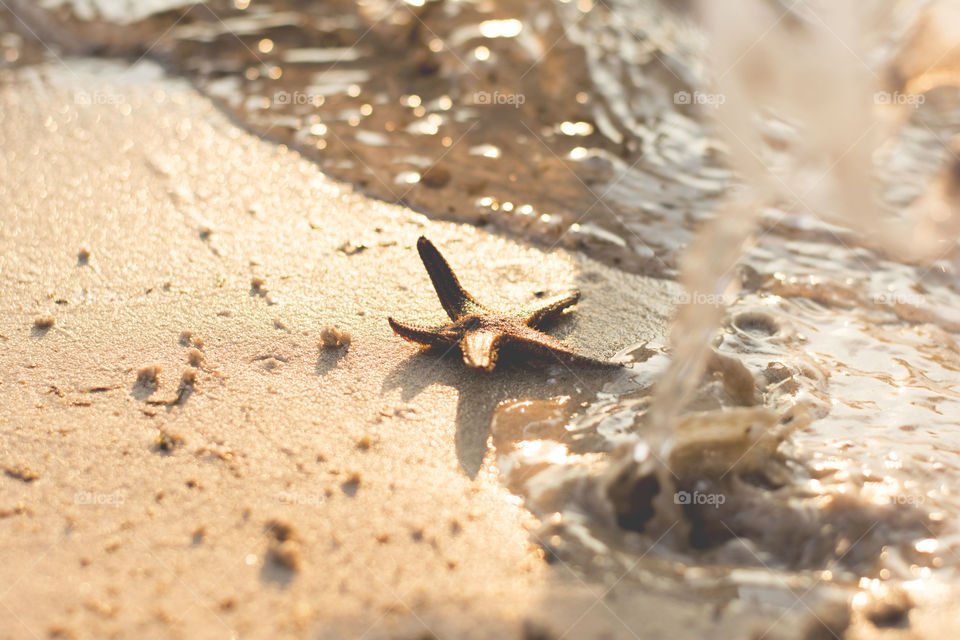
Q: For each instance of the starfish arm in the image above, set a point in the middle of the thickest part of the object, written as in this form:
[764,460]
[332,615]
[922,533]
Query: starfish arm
[456,302]
[550,349]
[420,335]
[480,349]
[550,310]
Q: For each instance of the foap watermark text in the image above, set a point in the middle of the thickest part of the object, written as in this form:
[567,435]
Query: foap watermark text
[85,98]
[498,97]
[699,97]
[96,498]
[896,98]
[698,497]
[300,499]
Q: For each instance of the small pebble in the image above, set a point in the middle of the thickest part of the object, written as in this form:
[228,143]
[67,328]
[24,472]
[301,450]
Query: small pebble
[435,177]
[167,442]
[194,357]
[148,375]
[331,337]
[287,555]
[281,530]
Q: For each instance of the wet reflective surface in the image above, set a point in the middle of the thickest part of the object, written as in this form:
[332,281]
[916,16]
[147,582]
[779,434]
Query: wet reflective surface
[820,443]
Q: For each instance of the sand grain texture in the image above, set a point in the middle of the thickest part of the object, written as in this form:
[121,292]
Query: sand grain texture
[181,459]
[173,413]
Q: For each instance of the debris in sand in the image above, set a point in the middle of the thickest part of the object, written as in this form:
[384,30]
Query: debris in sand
[221,451]
[282,530]
[352,248]
[194,357]
[44,322]
[61,631]
[15,510]
[166,441]
[364,443]
[187,339]
[21,472]
[352,484]
[285,544]
[331,337]
[258,287]
[83,257]
[100,388]
[187,381]
[148,376]
[286,554]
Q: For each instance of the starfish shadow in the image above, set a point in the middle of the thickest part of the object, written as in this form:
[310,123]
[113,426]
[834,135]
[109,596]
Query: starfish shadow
[479,394]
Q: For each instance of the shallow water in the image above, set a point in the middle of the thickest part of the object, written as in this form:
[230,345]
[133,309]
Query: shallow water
[819,446]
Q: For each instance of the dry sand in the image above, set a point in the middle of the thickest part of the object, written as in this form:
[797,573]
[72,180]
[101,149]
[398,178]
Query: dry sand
[182,460]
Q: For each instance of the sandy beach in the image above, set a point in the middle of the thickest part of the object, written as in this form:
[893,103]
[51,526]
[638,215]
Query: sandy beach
[209,210]
[262,486]
[183,458]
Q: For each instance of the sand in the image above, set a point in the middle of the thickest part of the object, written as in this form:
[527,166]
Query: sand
[182,458]
[187,451]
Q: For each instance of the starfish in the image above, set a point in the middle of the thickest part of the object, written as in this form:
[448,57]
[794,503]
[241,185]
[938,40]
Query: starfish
[480,332]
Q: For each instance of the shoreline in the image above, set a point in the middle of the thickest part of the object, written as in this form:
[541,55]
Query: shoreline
[262,486]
